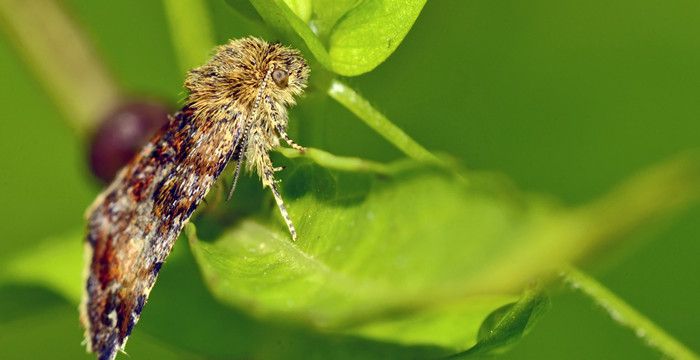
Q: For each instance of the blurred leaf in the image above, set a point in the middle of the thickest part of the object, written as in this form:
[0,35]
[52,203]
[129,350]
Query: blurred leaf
[18,301]
[56,263]
[59,335]
[59,54]
[191,31]
[348,37]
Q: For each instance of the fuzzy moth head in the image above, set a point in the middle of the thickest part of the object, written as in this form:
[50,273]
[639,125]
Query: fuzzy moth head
[289,73]
[245,69]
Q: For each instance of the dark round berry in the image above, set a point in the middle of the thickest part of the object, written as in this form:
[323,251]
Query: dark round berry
[121,135]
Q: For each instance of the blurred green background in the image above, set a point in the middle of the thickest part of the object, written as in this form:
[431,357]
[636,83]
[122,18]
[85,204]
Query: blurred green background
[567,98]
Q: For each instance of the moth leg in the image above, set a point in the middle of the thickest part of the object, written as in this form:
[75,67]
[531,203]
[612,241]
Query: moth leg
[268,179]
[280,124]
[292,144]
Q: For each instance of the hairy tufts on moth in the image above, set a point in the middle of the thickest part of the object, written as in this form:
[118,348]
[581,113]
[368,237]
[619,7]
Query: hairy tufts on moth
[236,111]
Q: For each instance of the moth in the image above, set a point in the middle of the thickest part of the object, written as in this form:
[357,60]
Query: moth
[236,111]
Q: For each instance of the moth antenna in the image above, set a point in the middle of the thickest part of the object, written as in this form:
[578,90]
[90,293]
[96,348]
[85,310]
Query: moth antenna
[258,97]
[235,178]
[249,122]
[241,158]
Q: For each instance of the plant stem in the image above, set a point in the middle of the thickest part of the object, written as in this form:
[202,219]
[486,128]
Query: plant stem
[191,31]
[331,161]
[379,123]
[624,314]
[61,57]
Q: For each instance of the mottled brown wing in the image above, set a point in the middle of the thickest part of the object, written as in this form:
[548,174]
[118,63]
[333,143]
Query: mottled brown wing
[132,226]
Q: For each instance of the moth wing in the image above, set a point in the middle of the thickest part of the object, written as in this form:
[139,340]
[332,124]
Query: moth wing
[133,225]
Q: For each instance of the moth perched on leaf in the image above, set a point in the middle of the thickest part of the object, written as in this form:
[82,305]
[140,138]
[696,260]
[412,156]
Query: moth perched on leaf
[236,111]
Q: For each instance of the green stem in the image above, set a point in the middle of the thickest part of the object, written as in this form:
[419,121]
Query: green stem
[331,161]
[62,59]
[627,316]
[191,31]
[379,123]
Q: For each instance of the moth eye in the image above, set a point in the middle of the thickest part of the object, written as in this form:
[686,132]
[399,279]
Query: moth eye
[280,77]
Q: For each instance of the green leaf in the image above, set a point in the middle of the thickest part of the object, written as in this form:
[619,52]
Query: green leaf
[417,255]
[204,326]
[509,323]
[301,8]
[450,326]
[327,13]
[369,33]
[348,37]
[369,261]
